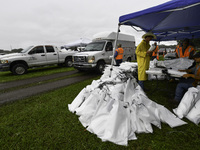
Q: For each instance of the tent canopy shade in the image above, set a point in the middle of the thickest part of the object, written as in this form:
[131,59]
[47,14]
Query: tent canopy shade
[173,20]
[78,43]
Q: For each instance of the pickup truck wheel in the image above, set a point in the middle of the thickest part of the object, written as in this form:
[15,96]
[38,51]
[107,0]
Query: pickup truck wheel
[100,67]
[68,62]
[19,69]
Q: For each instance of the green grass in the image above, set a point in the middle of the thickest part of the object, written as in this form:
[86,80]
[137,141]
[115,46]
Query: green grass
[44,122]
[8,76]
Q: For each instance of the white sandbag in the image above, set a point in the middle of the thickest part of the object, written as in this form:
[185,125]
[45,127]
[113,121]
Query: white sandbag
[78,100]
[117,125]
[98,121]
[115,108]
[187,102]
[117,91]
[160,113]
[176,73]
[194,114]
[179,63]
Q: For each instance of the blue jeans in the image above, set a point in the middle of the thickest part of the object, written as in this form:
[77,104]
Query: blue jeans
[141,83]
[181,88]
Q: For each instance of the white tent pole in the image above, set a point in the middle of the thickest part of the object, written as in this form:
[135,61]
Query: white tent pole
[114,48]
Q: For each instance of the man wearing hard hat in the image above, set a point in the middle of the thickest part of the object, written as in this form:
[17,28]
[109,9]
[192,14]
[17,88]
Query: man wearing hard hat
[143,57]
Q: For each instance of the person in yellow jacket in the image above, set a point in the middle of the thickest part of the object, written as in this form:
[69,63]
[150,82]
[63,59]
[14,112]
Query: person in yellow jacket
[154,54]
[143,57]
[119,52]
[185,50]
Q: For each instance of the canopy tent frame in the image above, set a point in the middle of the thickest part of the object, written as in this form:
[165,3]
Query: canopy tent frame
[114,48]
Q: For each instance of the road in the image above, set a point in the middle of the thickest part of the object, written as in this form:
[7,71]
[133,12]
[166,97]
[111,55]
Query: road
[21,93]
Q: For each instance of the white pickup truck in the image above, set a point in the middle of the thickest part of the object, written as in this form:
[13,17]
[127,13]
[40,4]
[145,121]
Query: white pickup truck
[35,56]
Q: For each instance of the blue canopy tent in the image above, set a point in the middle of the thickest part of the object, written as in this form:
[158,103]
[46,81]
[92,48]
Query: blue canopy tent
[173,20]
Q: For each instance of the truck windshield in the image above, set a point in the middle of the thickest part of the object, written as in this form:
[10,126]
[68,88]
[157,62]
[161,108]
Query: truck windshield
[26,49]
[95,46]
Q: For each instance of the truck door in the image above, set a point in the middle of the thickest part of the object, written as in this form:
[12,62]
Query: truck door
[109,52]
[51,55]
[37,56]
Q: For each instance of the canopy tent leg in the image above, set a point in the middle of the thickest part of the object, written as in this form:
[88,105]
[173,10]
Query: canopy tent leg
[114,48]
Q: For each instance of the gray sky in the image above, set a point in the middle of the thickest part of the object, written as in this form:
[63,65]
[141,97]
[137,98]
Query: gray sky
[58,22]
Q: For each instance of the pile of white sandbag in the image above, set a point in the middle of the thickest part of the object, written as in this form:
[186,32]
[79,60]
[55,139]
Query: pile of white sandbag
[115,108]
[175,64]
[170,67]
[189,106]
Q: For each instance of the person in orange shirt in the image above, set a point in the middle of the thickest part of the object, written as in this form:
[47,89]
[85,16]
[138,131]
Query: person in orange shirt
[185,50]
[154,54]
[119,55]
[191,79]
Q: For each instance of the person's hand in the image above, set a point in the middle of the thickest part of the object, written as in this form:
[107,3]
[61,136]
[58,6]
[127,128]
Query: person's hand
[188,75]
[149,53]
[181,70]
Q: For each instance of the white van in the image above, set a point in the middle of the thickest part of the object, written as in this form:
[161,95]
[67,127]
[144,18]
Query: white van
[98,53]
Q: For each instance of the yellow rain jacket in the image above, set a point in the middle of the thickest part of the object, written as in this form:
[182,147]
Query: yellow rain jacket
[143,60]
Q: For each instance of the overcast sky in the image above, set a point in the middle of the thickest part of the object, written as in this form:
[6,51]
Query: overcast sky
[58,22]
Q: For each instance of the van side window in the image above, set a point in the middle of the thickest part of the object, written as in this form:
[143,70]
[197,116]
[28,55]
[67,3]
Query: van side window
[37,50]
[109,46]
[49,49]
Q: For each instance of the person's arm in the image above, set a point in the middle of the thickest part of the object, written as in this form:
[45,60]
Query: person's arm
[116,53]
[186,70]
[191,54]
[191,73]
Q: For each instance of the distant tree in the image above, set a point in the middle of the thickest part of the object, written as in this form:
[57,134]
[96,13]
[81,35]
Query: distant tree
[167,46]
[16,50]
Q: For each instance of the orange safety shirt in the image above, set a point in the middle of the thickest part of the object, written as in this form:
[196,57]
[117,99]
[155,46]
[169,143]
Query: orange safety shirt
[120,52]
[155,51]
[187,52]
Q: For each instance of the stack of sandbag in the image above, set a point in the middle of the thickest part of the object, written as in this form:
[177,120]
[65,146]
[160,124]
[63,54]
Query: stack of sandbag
[170,67]
[115,108]
[175,64]
[155,73]
[189,106]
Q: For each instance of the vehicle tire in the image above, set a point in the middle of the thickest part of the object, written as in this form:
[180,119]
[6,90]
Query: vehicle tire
[19,69]
[68,62]
[100,67]
[129,59]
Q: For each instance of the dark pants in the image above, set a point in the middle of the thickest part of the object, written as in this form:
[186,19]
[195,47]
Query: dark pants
[182,87]
[118,62]
[141,83]
[153,57]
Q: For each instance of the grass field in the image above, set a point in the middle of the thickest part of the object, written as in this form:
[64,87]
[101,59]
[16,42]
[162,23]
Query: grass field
[44,122]
[8,76]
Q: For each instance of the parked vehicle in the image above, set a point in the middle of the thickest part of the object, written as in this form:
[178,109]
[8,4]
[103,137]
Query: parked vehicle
[35,56]
[98,53]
